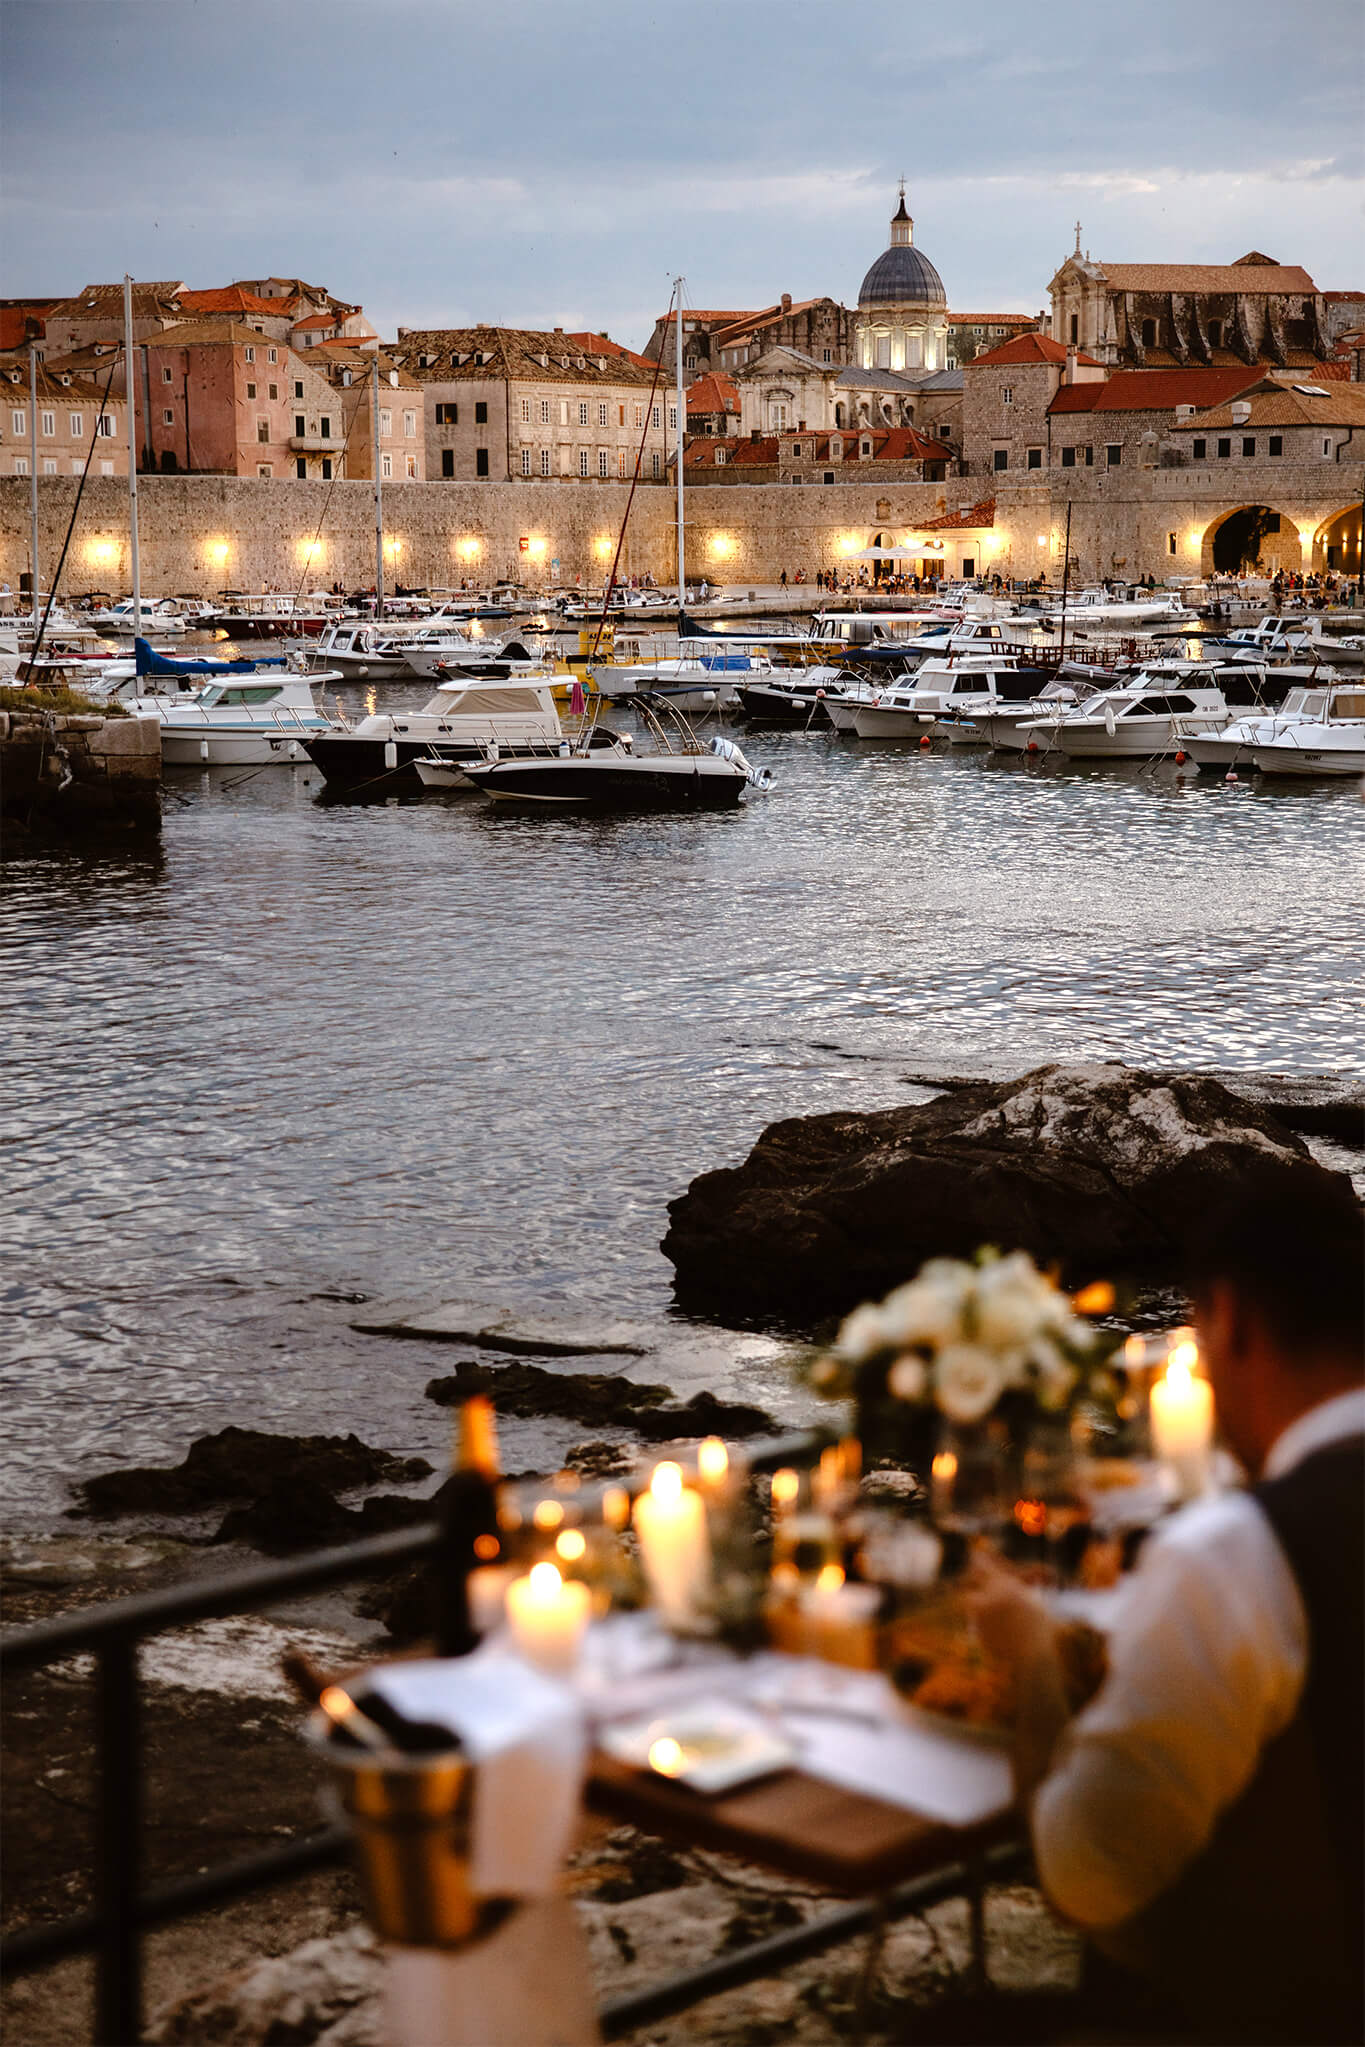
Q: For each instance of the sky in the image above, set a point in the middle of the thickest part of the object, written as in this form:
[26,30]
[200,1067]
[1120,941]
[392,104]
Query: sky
[536,164]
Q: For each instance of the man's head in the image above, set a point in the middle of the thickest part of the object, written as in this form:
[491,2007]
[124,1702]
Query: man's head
[1278,1279]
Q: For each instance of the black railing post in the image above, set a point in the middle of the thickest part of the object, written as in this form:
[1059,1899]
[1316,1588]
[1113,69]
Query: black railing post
[118,1844]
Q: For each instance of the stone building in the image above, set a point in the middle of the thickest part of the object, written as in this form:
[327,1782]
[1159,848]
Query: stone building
[972,334]
[95,316]
[350,368]
[867,456]
[1141,315]
[902,318]
[1126,420]
[72,411]
[220,398]
[1006,396]
[511,403]
[725,341]
[712,406]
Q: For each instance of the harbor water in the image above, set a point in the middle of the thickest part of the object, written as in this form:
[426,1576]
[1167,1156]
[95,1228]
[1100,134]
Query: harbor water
[307,1052]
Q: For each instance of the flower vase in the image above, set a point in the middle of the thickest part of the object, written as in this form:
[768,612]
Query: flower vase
[895,1431]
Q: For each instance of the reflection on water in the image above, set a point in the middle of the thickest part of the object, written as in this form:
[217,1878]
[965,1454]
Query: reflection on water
[445,1047]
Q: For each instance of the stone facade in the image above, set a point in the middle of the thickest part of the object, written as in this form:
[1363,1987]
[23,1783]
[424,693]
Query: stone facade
[201,533]
[1161,314]
[510,404]
[68,407]
[67,775]
[219,397]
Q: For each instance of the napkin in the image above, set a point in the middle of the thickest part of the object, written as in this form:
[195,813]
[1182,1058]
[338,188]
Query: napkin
[525,1734]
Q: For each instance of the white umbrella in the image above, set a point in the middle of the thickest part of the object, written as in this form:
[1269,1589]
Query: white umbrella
[892,554]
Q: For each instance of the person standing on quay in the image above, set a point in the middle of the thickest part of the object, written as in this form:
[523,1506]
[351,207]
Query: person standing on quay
[1203,1819]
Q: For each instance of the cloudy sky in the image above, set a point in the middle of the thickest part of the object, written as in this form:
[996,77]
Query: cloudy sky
[552,164]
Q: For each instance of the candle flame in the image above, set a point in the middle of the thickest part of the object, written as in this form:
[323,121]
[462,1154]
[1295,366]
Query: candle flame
[1031,1516]
[616,1506]
[665,1756]
[830,1578]
[570,1544]
[335,1703]
[713,1460]
[546,1583]
[1181,1362]
[945,1467]
[667,1482]
[786,1486]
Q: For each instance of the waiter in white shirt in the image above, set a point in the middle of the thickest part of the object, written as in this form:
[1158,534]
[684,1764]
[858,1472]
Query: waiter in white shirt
[1203,1819]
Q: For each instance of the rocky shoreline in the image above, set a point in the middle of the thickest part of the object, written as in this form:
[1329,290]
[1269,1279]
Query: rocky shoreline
[1104,1164]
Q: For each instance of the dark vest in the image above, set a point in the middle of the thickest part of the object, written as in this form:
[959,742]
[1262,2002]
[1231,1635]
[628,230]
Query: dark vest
[1260,1939]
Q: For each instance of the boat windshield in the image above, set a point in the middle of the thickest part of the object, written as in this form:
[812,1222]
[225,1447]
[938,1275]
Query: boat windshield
[240,693]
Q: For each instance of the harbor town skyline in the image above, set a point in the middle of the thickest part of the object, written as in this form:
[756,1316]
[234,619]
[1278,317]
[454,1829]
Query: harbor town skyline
[1187,141]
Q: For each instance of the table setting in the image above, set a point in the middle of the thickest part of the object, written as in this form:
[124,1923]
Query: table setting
[767,1653]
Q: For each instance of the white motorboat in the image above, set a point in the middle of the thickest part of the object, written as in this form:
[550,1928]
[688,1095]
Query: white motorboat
[218,713]
[157,614]
[1007,691]
[1153,611]
[443,656]
[1002,724]
[1136,720]
[693,680]
[604,770]
[791,696]
[460,723]
[916,706]
[1329,739]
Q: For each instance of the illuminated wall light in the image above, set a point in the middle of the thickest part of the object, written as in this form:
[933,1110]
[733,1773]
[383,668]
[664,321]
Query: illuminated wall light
[311,550]
[468,549]
[218,550]
[537,548]
[393,548]
[1042,540]
[602,549]
[101,551]
[721,546]
[849,543]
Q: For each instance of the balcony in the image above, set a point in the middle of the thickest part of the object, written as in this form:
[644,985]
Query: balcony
[316,444]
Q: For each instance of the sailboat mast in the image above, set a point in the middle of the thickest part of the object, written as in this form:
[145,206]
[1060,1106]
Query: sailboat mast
[128,381]
[378,495]
[1066,577]
[682,422]
[33,478]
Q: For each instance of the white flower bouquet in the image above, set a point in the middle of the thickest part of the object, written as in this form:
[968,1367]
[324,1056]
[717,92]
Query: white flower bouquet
[968,1340]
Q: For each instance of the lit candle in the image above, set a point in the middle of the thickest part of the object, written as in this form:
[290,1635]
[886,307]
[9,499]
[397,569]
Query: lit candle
[670,1521]
[487,1594]
[547,1618]
[943,1479]
[840,1620]
[1182,1420]
[713,1461]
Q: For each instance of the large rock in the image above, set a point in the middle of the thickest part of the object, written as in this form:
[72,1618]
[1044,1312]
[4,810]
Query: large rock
[247,1464]
[1100,1168]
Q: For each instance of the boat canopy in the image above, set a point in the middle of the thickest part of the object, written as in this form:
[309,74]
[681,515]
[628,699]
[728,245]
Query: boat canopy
[149,662]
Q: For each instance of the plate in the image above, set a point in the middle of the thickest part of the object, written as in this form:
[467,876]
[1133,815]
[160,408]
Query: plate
[986,1733]
[709,1745]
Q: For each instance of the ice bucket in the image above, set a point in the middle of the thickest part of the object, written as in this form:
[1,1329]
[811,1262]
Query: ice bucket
[409,1817]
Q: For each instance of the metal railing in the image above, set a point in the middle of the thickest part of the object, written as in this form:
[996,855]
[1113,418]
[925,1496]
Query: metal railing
[125,1907]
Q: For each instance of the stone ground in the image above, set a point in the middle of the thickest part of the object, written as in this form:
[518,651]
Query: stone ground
[227,1775]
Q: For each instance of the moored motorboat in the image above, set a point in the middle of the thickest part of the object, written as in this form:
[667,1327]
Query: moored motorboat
[1134,721]
[604,770]
[460,722]
[1329,741]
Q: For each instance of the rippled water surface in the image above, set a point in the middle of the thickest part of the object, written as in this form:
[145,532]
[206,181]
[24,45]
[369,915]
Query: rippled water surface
[441,1048]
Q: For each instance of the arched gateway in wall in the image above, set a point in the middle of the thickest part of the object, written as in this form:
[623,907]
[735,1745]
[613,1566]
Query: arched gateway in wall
[1337,542]
[1237,540]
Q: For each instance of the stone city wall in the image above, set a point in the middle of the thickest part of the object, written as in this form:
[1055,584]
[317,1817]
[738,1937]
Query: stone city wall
[206,534]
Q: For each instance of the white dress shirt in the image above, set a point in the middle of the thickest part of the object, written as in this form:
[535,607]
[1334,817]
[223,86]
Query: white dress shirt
[1206,1666]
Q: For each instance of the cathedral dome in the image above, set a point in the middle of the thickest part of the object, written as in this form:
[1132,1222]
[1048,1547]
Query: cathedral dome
[901,275]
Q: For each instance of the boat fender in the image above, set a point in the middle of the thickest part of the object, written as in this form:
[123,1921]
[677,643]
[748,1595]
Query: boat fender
[1232,776]
[203,749]
[1181,759]
[1109,719]
[390,753]
[925,740]
[1032,746]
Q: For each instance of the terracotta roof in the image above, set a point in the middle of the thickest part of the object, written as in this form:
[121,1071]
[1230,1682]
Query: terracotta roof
[895,444]
[713,393]
[51,389]
[697,313]
[512,352]
[330,358]
[1286,405]
[1344,298]
[991,319]
[769,316]
[602,344]
[980,514]
[211,333]
[889,444]
[232,298]
[741,454]
[105,301]
[1249,278]
[317,320]
[1030,348]
[1156,390]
